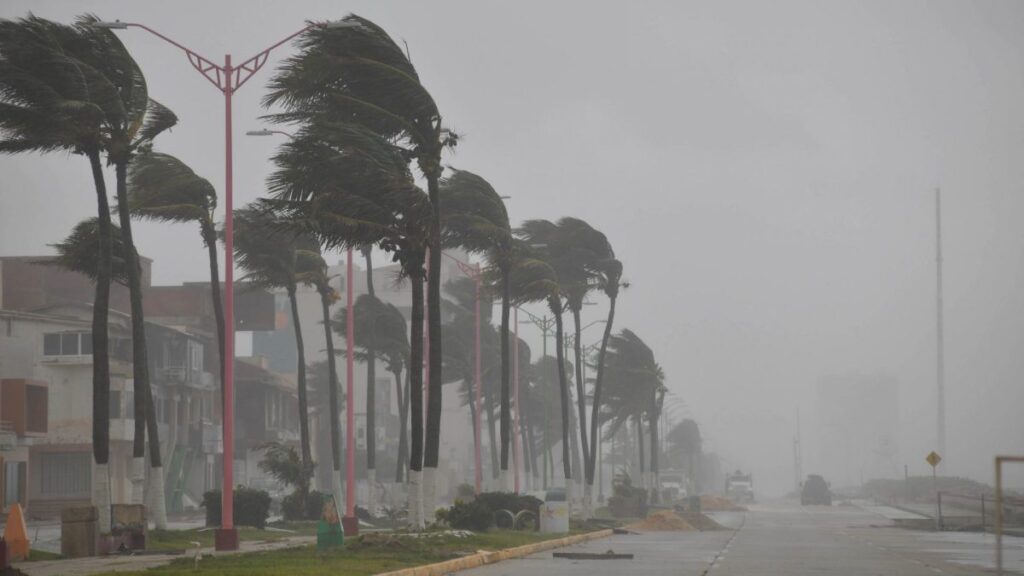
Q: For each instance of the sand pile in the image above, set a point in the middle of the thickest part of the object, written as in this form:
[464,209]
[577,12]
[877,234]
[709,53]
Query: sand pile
[714,503]
[663,521]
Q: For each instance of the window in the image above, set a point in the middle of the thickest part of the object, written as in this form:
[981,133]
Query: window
[51,344]
[67,344]
[65,473]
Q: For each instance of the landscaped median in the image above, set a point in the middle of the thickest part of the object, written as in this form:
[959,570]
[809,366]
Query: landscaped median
[392,553]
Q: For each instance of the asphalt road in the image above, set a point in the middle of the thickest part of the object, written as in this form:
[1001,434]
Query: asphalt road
[782,540]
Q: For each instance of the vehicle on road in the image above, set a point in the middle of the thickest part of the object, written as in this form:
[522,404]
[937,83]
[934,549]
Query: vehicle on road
[673,486]
[815,492]
[739,487]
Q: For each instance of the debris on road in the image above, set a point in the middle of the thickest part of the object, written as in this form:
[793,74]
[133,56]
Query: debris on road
[713,503]
[609,555]
[662,521]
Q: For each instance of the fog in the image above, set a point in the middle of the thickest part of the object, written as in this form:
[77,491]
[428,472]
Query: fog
[766,172]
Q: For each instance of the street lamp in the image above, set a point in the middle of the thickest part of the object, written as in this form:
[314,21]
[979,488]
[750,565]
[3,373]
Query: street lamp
[351,523]
[227,78]
[474,272]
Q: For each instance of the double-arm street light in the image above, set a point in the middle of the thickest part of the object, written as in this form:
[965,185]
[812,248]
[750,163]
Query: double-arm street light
[227,78]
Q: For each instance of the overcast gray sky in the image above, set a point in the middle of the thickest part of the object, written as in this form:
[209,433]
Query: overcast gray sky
[765,171]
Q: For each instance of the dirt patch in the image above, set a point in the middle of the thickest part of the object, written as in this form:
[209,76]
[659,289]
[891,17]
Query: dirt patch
[663,521]
[713,503]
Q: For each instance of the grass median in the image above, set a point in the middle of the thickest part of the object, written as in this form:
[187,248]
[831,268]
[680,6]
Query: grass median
[366,554]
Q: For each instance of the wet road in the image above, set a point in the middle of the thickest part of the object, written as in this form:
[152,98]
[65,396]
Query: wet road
[783,540]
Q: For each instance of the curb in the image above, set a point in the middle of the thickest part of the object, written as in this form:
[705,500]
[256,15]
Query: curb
[481,558]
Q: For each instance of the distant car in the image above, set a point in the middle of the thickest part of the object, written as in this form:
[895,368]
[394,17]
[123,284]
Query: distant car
[815,492]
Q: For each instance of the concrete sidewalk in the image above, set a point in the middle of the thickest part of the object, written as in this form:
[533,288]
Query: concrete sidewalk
[87,566]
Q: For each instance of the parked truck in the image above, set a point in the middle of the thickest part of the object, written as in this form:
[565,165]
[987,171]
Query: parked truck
[739,487]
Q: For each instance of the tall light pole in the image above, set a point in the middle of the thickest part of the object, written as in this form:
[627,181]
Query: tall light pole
[473,271]
[228,79]
[546,326]
[940,360]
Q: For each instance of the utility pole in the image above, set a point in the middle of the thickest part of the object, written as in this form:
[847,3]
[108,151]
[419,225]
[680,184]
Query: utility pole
[940,361]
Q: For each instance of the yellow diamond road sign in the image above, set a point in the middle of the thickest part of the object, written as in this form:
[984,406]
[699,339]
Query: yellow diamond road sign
[934,459]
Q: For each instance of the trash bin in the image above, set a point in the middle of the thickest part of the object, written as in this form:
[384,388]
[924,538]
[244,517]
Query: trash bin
[554,513]
[79,531]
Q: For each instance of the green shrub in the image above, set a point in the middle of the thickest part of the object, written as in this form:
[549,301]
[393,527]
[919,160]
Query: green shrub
[252,507]
[470,515]
[510,501]
[293,507]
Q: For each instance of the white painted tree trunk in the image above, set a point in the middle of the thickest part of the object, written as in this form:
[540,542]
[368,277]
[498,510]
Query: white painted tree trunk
[371,483]
[158,499]
[429,495]
[138,479]
[588,501]
[101,495]
[339,494]
[415,504]
[569,495]
[506,481]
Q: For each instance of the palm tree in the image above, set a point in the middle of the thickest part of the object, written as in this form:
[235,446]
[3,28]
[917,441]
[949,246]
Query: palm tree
[609,271]
[475,219]
[348,187]
[636,389]
[369,312]
[359,75]
[76,89]
[579,255]
[162,188]
[280,261]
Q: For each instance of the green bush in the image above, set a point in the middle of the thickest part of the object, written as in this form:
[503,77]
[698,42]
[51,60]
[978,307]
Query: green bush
[470,515]
[293,507]
[510,501]
[252,507]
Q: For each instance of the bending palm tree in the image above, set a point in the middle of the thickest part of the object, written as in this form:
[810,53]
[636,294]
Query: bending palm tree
[635,389]
[280,261]
[349,187]
[76,89]
[359,75]
[475,219]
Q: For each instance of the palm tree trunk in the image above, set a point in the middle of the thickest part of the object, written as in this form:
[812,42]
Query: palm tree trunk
[653,425]
[140,366]
[300,368]
[581,404]
[506,370]
[598,388]
[640,448]
[371,390]
[403,433]
[432,447]
[101,352]
[416,403]
[332,370]
[209,235]
[492,436]
[563,386]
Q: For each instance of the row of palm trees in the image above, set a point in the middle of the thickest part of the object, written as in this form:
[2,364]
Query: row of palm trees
[363,120]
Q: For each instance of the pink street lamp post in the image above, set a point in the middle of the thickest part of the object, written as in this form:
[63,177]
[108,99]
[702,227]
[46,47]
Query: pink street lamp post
[473,271]
[228,79]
